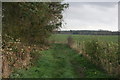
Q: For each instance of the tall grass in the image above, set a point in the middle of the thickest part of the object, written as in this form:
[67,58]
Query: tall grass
[101,53]
[101,50]
[60,61]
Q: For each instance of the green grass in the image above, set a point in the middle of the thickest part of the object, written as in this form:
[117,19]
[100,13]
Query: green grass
[60,61]
[62,38]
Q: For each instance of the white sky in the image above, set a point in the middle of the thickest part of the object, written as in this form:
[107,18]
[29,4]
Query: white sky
[91,16]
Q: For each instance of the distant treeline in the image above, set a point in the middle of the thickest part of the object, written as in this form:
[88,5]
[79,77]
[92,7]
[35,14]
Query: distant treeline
[89,32]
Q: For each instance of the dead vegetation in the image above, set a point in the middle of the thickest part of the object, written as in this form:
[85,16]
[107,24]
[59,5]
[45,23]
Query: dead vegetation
[16,55]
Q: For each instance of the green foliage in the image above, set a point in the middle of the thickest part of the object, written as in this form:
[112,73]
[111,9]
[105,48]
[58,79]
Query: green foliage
[100,50]
[91,47]
[60,61]
[32,22]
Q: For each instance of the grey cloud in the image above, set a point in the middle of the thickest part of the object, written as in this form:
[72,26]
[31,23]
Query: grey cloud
[91,14]
[100,4]
[91,0]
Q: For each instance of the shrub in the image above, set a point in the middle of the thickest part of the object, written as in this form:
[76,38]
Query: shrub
[70,41]
[103,54]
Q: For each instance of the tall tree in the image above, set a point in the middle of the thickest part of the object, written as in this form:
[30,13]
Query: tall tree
[32,22]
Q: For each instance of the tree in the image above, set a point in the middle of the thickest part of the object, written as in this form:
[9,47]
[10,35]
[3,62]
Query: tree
[32,22]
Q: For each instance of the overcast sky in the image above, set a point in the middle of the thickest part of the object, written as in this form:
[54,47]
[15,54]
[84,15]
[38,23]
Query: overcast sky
[91,16]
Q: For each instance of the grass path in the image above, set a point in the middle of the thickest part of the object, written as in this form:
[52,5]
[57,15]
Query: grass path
[60,62]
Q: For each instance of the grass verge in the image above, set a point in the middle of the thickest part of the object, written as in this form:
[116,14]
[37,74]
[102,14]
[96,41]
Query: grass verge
[60,61]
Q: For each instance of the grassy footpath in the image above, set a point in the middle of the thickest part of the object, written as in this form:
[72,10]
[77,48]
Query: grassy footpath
[60,62]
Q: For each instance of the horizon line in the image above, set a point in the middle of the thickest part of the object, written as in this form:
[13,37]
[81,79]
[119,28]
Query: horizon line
[89,30]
